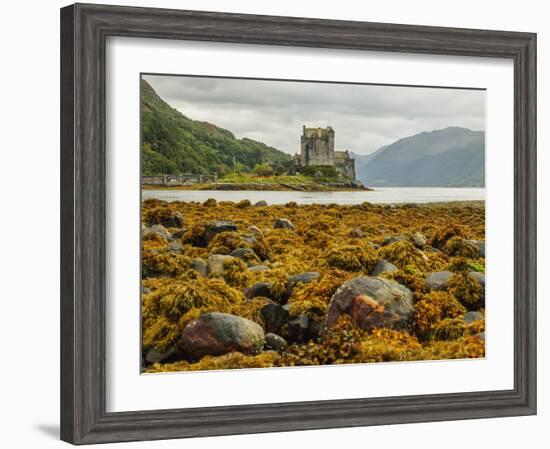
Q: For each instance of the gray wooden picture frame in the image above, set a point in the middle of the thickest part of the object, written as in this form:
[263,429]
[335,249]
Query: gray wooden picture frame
[84,29]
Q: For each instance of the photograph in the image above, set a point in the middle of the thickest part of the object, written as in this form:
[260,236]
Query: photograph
[289,223]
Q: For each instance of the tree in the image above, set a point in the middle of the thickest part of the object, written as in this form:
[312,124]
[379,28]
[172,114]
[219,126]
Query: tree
[263,170]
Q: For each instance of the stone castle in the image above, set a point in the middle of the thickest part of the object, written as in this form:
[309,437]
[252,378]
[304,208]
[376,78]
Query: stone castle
[317,148]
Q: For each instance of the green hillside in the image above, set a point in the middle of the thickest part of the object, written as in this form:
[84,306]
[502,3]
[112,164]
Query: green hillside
[171,143]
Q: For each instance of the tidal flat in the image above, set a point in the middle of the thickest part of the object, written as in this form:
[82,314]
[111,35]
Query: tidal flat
[239,285]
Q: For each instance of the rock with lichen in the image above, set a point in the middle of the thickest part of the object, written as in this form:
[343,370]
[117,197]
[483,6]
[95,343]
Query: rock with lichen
[220,333]
[372,302]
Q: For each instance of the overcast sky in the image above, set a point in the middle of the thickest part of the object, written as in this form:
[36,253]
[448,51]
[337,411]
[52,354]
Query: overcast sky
[364,117]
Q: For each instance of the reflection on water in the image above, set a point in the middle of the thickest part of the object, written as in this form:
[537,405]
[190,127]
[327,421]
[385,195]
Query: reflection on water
[383,195]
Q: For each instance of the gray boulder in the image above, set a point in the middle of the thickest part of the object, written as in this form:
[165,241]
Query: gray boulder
[439,280]
[178,233]
[260,289]
[372,302]
[155,356]
[215,227]
[283,223]
[298,328]
[157,229]
[220,333]
[276,342]
[260,203]
[383,266]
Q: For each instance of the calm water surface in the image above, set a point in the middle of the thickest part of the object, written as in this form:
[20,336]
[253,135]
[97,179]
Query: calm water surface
[380,195]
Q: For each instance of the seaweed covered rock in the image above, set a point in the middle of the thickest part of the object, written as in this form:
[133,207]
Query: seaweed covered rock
[439,280]
[473,316]
[216,227]
[383,266]
[215,265]
[163,215]
[283,223]
[352,258]
[372,302]
[155,230]
[405,256]
[220,333]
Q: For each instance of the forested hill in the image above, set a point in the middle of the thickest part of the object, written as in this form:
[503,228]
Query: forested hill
[172,143]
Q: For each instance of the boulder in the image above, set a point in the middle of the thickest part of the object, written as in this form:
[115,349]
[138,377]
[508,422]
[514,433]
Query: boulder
[260,203]
[276,342]
[470,317]
[419,240]
[283,223]
[479,277]
[439,280]
[220,333]
[199,265]
[215,265]
[215,227]
[372,302]
[383,266]
[275,316]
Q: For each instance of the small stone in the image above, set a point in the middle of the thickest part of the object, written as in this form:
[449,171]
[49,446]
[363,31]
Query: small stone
[276,342]
[304,278]
[419,240]
[246,254]
[255,230]
[470,317]
[220,333]
[260,203]
[383,266]
[439,280]
[157,229]
[393,239]
[257,268]
[156,356]
[283,223]
[479,244]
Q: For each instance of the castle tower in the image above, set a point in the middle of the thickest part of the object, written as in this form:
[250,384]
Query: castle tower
[317,146]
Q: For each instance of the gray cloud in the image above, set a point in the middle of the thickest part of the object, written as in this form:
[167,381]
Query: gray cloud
[364,117]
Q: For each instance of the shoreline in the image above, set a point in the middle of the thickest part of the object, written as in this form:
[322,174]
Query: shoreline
[259,187]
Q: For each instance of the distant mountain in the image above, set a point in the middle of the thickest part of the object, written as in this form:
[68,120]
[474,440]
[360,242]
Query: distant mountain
[450,157]
[172,143]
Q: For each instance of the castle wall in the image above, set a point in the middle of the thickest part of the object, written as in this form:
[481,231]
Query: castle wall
[317,147]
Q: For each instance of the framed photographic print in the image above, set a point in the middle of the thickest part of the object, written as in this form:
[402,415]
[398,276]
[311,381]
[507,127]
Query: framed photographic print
[274,223]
